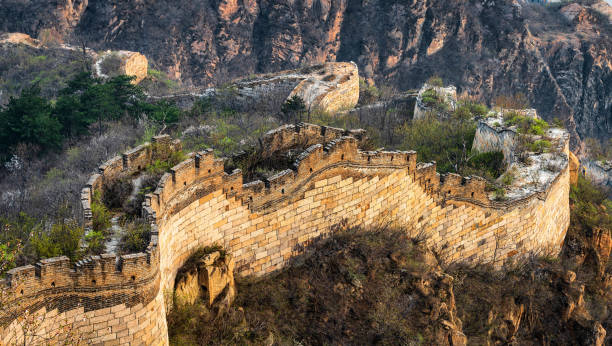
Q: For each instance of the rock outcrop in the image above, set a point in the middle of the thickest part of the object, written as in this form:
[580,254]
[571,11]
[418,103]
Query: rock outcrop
[19,38]
[210,278]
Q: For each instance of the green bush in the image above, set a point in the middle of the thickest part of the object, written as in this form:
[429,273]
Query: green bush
[435,81]
[137,237]
[489,164]
[368,94]
[8,253]
[293,109]
[540,146]
[159,167]
[500,194]
[526,124]
[95,242]
[590,207]
[162,112]
[468,109]
[508,178]
[63,239]
[432,99]
[101,216]
[443,141]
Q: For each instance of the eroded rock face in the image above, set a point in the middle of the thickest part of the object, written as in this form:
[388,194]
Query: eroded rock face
[576,314]
[561,59]
[187,290]
[505,322]
[19,38]
[598,172]
[211,279]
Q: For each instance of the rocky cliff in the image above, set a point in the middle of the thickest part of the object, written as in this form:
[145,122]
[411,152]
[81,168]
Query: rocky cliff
[561,57]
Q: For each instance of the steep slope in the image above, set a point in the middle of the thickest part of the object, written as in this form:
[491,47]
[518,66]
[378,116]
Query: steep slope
[561,58]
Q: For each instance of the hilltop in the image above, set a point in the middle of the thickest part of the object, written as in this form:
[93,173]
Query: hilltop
[557,55]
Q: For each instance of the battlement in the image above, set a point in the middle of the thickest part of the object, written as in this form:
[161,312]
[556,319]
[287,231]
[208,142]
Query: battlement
[288,136]
[204,172]
[129,163]
[59,274]
[264,223]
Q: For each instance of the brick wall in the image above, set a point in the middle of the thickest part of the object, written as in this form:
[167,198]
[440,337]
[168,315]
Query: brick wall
[264,223]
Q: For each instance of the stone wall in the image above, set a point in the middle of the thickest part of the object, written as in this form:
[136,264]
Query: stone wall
[329,87]
[126,164]
[264,223]
[333,88]
[129,64]
[101,298]
[104,298]
[495,138]
[448,94]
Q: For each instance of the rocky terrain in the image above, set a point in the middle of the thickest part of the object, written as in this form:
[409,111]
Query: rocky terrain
[559,56]
[378,287]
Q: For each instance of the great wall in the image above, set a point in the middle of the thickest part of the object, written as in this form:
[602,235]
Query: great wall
[329,87]
[110,299]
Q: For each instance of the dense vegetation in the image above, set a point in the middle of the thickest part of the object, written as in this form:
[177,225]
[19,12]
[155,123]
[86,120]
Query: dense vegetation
[45,125]
[22,67]
[365,287]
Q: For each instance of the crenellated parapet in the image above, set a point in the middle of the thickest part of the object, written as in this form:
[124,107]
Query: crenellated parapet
[303,134]
[204,172]
[129,163]
[264,223]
